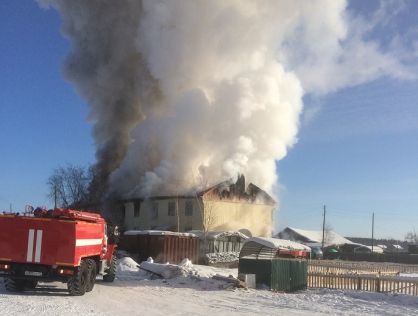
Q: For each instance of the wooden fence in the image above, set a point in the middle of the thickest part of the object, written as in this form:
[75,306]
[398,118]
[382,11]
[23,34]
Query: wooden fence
[324,267]
[367,266]
[364,276]
[399,258]
[380,284]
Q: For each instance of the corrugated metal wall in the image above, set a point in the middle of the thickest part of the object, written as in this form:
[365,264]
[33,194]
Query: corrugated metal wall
[285,275]
[163,248]
[173,249]
[289,275]
[138,245]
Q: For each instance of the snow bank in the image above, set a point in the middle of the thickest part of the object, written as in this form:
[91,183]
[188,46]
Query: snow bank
[167,271]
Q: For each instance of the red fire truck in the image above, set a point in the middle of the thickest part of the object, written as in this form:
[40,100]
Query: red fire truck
[56,245]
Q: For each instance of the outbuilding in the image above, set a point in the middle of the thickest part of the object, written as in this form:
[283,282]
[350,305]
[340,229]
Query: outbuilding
[219,248]
[280,264]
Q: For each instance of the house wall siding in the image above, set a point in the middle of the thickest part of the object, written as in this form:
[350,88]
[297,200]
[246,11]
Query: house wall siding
[257,218]
[226,215]
[145,222]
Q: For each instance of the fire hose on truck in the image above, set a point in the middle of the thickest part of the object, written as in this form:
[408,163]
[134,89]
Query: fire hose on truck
[55,245]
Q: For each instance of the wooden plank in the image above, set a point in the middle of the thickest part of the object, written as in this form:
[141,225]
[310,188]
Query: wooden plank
[237,282]
[149,271]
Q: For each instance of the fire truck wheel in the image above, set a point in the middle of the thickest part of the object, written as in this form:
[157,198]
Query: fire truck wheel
[31,284]
[13,285]
[111,272]
[77,284]
[92,274]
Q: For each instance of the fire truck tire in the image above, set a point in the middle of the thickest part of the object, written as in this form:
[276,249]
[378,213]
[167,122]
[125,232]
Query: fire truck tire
[77,284]
[31,284]
[111,273]
[14,285]
[92,274]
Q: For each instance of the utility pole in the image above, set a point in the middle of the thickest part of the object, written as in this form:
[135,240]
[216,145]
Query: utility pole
[323,231]
[372,231]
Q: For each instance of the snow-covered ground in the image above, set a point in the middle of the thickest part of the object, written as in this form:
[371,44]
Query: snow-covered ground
[193,292]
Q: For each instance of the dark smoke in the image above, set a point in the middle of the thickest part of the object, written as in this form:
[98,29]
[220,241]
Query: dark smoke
[185,94]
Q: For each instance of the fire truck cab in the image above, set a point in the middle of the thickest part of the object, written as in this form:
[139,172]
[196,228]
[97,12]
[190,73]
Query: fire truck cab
[56,245]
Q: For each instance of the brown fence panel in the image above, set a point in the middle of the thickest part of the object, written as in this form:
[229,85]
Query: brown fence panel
[173,249]
[364,283]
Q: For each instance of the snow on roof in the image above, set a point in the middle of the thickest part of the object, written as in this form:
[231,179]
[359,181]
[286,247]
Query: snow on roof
[157,232]
[376,249]
[382,246]
[313,244]
[276,243]
[217,234]
[316,236]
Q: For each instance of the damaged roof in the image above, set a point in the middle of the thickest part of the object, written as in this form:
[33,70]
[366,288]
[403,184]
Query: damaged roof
[237,192]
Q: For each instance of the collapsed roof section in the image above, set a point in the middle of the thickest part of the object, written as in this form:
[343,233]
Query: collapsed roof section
[236,192]
[225,191]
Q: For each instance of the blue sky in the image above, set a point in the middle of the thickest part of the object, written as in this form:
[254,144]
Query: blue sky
[357,151]
[43,121]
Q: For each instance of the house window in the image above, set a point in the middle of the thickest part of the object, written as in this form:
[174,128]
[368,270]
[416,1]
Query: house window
[187,228]
[136,209]
[154,210]
[171,209]
[188,208]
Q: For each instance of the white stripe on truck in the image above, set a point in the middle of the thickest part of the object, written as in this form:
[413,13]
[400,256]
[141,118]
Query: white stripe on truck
[88,242]
[38,246]
[30,245]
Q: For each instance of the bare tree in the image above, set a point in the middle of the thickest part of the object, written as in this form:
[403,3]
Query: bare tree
[68,186]
[207,207]
[208,213]
[328,236]
[174,187]
[98,186]
[412,237]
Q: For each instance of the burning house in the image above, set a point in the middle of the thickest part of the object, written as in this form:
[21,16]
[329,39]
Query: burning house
[179,92]
[226,206]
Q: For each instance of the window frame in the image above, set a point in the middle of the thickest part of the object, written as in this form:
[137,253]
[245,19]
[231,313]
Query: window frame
[171,211]
[188,208]
[154,210]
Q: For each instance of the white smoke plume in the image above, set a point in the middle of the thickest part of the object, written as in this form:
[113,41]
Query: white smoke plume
[181,91]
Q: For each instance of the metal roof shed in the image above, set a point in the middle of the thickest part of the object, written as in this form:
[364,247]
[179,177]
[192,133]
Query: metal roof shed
[216,247]
[263,247]
[263,257]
